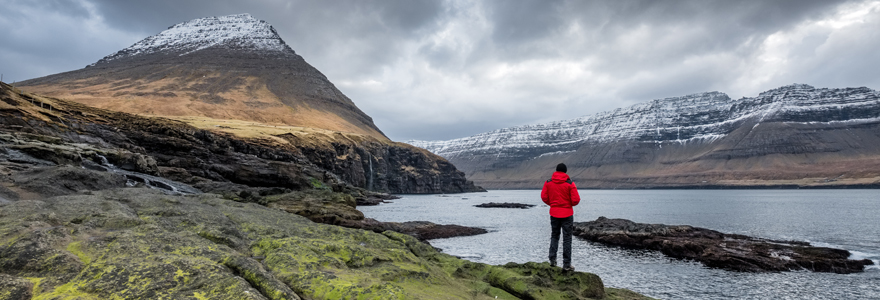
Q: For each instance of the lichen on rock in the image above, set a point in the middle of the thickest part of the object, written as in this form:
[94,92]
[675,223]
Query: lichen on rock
[136,243]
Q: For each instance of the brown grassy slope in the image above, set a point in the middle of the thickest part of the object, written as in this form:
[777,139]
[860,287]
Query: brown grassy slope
[282,90]
[243,152]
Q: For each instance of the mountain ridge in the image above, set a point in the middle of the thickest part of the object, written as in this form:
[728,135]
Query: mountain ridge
[701,127]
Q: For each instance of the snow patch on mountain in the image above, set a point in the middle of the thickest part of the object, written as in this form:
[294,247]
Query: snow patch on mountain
[240,31]
[702,117]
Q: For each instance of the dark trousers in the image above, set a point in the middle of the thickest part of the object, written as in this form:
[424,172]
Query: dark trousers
[564,224]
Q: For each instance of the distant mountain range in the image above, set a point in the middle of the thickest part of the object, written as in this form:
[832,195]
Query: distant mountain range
[792,136]
[229,67]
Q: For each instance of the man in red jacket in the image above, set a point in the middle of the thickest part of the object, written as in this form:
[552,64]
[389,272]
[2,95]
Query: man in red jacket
[561,194]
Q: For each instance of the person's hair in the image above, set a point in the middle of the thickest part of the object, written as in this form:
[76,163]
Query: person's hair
[561,168]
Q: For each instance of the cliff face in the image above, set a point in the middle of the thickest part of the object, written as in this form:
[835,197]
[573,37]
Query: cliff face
[382,166]
[181,152]
[238,69]
[231,67]
[795,135]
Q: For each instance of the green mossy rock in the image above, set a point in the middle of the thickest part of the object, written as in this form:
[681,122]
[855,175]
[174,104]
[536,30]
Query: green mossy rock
[319,205]
[137,243]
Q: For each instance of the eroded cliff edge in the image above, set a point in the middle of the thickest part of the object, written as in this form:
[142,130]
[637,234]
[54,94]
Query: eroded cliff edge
[181,152]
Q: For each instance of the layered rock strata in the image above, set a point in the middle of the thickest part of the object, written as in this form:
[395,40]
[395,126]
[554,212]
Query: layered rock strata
[792,136]
[180,152]
[719,250]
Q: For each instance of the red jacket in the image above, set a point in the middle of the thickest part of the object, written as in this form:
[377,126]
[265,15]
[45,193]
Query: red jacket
[561,194]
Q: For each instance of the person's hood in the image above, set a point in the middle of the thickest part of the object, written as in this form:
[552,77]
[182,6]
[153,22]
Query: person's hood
[559,177]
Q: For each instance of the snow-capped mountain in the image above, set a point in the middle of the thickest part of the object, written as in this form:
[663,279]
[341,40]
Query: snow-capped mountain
[691,118]
[703,121]
[227,67]
[242,32]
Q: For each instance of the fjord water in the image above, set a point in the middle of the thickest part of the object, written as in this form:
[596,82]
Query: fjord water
[846,219]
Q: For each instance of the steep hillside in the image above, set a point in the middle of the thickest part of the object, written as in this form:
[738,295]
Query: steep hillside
[232,67]
[286,158]
[796,136]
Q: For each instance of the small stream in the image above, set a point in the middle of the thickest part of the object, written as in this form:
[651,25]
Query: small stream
[140,179]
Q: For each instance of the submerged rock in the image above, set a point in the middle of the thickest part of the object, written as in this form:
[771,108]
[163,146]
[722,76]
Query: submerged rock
[719,250]
[505,205]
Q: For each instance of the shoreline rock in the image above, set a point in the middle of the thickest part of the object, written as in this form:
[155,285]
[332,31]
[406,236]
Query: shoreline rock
[139,243]
[719,250]
[373,199]
[505,205]
[421,230]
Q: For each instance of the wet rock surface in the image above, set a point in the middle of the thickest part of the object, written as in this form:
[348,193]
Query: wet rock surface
[326,207]
[505,205]
[719,250]
[421,230]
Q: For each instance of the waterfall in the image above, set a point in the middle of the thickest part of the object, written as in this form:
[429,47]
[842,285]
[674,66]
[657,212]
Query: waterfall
[104,161]
[370,180]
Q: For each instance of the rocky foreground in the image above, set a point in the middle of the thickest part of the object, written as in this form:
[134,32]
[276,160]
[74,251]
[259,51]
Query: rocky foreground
[102,205]
[719,250]
[140,243]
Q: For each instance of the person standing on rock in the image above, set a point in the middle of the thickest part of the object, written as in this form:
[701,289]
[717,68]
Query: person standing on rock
[561,194]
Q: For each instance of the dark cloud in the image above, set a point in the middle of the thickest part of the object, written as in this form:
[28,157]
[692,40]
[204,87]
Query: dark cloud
[518,22]
[445,69]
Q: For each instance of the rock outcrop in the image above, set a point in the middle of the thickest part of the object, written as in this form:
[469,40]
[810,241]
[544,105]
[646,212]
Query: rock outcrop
[792,136]
[138,243]
[180,152]
[719,250]
[505,205]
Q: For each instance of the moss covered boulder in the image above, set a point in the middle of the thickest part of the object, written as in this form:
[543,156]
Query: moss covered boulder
[136,243]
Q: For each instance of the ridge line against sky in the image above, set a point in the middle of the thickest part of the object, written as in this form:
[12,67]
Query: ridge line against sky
[438,70]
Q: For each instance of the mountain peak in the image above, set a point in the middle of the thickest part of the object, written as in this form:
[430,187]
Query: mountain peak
[794,87]
[235,32]
[226,68]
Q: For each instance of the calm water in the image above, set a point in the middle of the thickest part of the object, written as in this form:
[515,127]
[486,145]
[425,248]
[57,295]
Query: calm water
[846,219]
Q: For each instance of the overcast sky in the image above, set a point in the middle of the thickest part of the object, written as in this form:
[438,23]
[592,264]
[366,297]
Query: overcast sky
[447,69]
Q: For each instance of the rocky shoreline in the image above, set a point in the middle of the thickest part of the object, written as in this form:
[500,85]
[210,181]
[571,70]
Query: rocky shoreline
[98,205]
[719,250]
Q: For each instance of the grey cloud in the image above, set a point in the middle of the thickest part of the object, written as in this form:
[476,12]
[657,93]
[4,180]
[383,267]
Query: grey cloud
[503,65]
[516,22]
[723,24]
[67,7]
